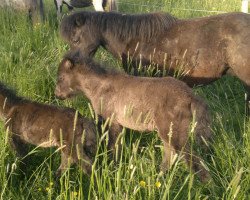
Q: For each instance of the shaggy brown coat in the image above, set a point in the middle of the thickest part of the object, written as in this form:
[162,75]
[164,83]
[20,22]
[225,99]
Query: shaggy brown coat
[201,49]
[46,126]
[143,104]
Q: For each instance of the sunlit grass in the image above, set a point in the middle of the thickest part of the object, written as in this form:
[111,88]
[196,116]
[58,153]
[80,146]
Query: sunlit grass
[28,62]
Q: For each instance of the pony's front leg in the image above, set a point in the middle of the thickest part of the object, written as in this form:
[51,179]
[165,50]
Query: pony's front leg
[18,145]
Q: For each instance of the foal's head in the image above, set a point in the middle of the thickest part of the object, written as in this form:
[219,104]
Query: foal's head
[73,65]
[66,85]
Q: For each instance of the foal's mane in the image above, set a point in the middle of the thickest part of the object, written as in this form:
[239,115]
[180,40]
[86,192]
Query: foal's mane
[88,64]
[10,94]
[123,26]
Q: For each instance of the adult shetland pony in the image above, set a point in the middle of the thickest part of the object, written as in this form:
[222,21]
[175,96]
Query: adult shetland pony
[204,48]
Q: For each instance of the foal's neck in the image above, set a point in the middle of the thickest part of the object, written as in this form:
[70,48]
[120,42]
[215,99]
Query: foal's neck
[92,83]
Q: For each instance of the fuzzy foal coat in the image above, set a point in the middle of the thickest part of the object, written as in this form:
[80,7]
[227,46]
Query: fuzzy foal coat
[47,126]
[143,104]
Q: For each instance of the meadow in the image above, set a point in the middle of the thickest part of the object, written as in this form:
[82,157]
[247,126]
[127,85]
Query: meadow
[29,57]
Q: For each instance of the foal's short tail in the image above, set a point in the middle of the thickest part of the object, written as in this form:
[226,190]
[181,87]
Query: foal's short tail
[203,121]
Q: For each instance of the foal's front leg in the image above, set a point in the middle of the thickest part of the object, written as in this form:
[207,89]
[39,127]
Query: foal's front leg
[168,156]
[66,160]
[114,142]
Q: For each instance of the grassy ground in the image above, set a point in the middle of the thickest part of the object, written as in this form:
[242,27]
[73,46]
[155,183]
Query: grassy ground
[28,62]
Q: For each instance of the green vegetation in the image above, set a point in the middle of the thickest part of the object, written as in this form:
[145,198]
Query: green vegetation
[28,62]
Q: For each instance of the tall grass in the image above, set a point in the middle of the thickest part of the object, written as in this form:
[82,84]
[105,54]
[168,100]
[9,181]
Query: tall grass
[28,62]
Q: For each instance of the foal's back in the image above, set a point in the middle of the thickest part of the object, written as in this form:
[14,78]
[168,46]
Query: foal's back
[37,123]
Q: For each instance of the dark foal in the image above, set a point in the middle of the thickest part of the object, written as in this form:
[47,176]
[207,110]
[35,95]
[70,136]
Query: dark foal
[143,104]
[46,126]
[202,49]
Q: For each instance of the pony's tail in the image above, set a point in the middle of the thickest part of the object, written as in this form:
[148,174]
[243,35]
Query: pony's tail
[202,118]
[110,5]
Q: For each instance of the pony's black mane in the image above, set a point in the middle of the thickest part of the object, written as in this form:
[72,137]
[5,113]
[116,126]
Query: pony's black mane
[89,64]
[143,27]
[10,94]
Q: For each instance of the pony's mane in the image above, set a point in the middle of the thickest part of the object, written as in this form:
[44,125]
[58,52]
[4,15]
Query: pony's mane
[10,94]
[143,27]
[89,64]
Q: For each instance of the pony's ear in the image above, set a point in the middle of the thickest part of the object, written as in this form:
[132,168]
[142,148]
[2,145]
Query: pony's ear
[68,64]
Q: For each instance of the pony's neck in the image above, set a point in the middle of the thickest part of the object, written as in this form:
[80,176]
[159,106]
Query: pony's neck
[113,44]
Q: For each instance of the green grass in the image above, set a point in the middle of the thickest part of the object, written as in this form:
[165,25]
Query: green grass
[28,62]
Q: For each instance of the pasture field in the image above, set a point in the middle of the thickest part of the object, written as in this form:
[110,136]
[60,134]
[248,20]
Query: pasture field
[29,58]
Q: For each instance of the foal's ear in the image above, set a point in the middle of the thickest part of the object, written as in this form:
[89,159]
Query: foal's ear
[68,64]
